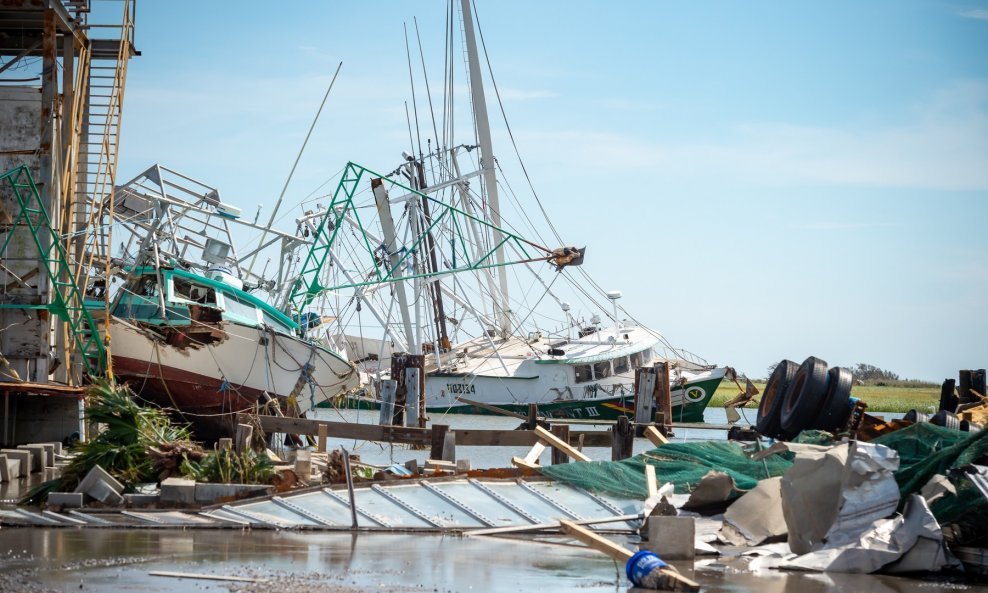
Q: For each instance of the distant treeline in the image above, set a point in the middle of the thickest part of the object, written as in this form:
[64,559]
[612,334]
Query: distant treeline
[869,374]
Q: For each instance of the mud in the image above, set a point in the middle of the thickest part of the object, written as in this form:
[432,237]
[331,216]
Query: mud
[38,560]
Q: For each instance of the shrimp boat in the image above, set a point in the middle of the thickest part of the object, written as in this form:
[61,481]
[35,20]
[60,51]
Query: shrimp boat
[190,325]
[417,261]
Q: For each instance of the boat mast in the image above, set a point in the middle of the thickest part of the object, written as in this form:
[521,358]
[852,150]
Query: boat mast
[393,258]
[487,166]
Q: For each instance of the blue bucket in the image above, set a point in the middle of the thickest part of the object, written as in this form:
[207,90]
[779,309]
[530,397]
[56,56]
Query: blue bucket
[641,564]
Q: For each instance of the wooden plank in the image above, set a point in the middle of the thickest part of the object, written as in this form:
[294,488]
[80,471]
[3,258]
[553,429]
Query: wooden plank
[643,397]
[347,430]
[597,542]
[207,577]
[488,438]
[650,482]
[519,462]
[412,396]
[533,455]
[663,392]
[550,525]
[657,438]
[552,440]
[438,440]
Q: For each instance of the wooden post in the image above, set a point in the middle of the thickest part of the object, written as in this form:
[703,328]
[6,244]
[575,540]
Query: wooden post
[225,443]
[624,439]
[349,487]
[323,433]
[438,440]
[948,399]
[560,431]
[978,381]
[244,433]
[663,396]
[388,389]
[533,417]
[964,387]
[449,446]
[412,396]
[643,399]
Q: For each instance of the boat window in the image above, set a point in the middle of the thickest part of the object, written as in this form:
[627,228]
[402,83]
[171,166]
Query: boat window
[185,290]
[238,309]
[582,373]
[275,323]
[621,365]
[636,360]
[142,303]
[602,370]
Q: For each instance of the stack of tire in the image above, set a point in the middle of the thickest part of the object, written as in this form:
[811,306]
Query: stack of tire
[803,397]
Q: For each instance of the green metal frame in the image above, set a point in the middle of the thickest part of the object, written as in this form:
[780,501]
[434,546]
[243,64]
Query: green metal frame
[70,307]
[307,287]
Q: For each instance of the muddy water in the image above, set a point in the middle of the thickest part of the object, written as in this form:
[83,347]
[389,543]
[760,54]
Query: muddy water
[113,560]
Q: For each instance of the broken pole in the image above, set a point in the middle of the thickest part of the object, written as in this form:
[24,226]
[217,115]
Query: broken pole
[438,440]
[663,396]
[623,440]
[388,389]
[645,381]
[349,487]
[561,432]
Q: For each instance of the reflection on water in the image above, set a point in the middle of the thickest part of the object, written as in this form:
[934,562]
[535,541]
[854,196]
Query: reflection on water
[114,560]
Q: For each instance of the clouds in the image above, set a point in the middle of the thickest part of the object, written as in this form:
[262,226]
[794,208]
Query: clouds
[941,144]
[980,14]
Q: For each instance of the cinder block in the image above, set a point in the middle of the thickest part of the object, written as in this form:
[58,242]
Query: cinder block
[178,490]
[65,499]
[672,538]
[23,458]
[38,457]
[208,493]
[9,468]
[141,500]
[462,466]
[102,486]
[49,453]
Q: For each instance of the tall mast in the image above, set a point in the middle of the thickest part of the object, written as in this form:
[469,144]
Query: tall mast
[487,166]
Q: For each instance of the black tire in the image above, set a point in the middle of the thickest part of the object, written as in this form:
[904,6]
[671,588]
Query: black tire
[915,416]
[836,402]
[770,406]
[946,419]
[804,398]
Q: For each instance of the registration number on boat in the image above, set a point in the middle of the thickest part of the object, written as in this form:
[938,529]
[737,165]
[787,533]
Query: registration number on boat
[460,388]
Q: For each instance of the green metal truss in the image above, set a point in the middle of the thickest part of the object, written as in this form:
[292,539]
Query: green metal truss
[67,301]
[307,286]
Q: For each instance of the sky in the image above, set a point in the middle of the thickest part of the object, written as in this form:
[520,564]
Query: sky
[761,180]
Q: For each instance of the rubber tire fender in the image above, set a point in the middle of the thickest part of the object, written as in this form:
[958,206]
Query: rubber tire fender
[804,398]
[770,405]
[836,408]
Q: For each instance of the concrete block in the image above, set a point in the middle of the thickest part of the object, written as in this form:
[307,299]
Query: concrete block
[178,490]
[23,458]
[51,473]
[672,538]
[207,493]
[49,453]
[462,466]
[56,447]
[102,486]
[65,499]
[141,500]
[9,469]
[38,457]
[303,464]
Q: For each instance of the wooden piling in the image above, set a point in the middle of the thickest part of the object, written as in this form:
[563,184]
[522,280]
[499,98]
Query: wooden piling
[323,434]
[964,387]
[533,417]
[645,380]
[388,389]
[948,399]
[560,431]
[412,409]
[438,440]
[663,396]
[623,439]
[244,433]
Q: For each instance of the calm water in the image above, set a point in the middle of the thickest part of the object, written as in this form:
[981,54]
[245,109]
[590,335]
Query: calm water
[111,560]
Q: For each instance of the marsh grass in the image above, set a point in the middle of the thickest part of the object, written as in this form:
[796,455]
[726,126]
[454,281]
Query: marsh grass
[879,399]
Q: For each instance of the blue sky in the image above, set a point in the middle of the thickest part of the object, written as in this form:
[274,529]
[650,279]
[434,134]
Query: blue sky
[762,180]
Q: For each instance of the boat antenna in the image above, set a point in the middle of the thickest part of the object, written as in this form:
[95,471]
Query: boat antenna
[277,205]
